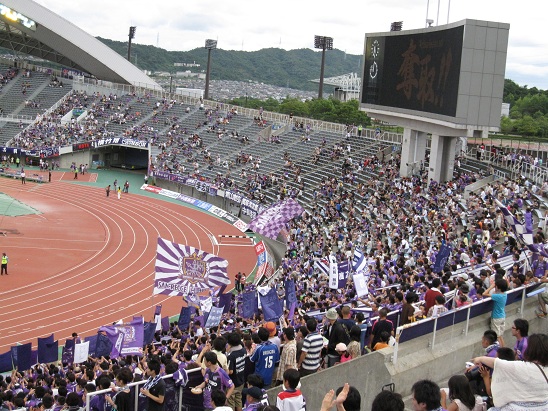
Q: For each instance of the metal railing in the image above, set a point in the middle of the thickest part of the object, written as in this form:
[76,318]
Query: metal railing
[136,392]
[536,173]
[16,117]
[468,308]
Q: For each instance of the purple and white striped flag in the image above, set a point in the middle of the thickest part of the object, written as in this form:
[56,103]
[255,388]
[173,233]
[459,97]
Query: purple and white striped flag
[517,226]
[322,265]
[271,221]
[183,270]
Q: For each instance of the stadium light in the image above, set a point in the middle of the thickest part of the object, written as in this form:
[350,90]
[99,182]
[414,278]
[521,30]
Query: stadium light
[131,37]
[396,26]
[323,43]
[209,45]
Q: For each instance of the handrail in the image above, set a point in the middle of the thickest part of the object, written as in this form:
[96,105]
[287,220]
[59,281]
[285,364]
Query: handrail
[137,384]
[401,328]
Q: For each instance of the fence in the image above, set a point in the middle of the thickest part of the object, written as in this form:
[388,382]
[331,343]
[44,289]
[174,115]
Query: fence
[431,326]
[135,392]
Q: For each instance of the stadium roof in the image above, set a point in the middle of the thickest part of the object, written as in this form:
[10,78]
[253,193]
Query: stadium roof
[28,28]
[348,82]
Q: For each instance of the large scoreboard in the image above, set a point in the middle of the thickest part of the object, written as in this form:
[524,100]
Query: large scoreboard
[417,72]
[448,73]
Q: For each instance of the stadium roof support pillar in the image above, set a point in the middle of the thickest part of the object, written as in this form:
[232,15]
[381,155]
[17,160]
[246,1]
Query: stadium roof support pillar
[413,151]
[442,158]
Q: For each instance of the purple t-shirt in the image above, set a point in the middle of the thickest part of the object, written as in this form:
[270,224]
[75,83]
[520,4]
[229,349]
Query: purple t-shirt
[520,347]
[215,380]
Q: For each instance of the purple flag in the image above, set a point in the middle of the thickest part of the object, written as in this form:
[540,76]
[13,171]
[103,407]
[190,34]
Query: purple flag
[127,339]
[271,221]
[538,249]
[182,270]
[225,301]
[192,300]
[290,293]
[92,339]
[528,222]
[149,329]
[441,257]
[291,315]
[359,262]
[158,310]
[184,317]
[522,231]
[272,307]
[104,346]
[165,324]
[34,357]
[68,352]
[249,304]
[116,339]
[6,362]
[214,317]
[48,350]
[343,268]
[22,358]
[322,265]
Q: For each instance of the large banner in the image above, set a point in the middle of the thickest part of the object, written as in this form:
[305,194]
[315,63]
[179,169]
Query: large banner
[250,208]
[119,141]
[42,152]
[127,339]
[183,270]
[271,221]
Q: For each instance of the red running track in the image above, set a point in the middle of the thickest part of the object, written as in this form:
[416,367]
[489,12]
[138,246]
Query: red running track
[88,260]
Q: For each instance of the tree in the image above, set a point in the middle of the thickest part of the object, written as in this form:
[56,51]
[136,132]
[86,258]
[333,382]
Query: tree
[295,106]
[321,109]
[506,125]
[527,126]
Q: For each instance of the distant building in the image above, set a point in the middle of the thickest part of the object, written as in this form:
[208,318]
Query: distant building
[190,92]
[505,112]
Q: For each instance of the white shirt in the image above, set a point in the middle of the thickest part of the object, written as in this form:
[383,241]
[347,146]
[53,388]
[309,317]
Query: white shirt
[518,381]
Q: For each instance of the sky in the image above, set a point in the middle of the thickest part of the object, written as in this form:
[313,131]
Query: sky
[184,25]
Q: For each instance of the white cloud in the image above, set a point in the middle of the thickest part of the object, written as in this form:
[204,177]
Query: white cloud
[247,25]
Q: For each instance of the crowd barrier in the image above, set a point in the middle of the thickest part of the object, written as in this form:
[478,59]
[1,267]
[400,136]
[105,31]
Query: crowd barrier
[463,315]
[134,391]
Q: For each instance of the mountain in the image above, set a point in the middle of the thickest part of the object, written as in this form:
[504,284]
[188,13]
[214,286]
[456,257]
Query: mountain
[278,67]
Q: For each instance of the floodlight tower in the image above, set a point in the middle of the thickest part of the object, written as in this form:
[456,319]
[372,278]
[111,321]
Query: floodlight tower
[209,45]
[323,43]
[131,37]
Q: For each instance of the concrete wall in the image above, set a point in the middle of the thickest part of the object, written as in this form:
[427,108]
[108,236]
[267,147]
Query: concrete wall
[78,157]
[416,359]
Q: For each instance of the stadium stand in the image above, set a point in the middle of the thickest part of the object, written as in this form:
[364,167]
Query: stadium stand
[354,198]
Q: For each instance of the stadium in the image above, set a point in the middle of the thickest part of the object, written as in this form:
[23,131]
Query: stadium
[310,218]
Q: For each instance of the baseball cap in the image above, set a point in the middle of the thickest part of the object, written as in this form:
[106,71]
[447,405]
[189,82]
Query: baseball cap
[271,327]
[255,392]
[332,314]
[340,347]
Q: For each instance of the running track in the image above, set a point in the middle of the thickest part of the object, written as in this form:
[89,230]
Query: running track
[88,260]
